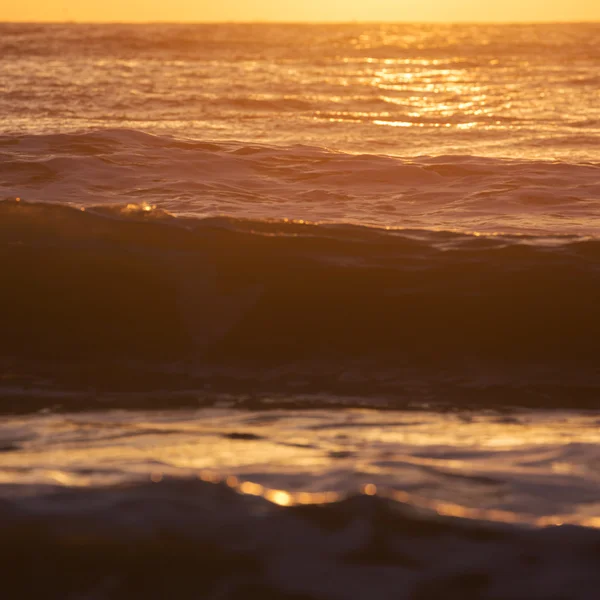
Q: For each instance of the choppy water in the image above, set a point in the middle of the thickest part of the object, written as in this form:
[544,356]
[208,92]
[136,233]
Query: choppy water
[520,91]
[345,261]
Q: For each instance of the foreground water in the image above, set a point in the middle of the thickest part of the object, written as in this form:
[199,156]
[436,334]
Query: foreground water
[321,503]
[317,303]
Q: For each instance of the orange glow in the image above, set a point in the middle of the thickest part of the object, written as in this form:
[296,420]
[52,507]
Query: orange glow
[278,497]
[252,489]
[232,481]
[370,489]
[309,10]
[192,447]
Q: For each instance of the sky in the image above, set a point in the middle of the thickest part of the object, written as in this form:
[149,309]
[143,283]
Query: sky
[300,10]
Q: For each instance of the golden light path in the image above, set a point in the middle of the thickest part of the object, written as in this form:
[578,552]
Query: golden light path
[444,509]
[449,464]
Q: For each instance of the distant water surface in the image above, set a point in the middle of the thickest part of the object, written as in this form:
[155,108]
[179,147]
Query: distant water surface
[524,91]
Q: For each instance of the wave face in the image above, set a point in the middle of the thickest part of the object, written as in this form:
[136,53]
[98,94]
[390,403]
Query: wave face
[108,290]
[169,263]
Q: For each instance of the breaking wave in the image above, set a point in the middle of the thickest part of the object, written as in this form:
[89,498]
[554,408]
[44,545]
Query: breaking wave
[92,296]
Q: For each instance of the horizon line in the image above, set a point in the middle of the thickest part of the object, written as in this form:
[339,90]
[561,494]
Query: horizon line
[276,22]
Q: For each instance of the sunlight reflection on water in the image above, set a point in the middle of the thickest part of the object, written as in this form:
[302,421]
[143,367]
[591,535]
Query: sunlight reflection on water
[533,468]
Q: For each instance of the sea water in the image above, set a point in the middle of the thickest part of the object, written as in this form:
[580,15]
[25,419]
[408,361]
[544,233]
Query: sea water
[300,311]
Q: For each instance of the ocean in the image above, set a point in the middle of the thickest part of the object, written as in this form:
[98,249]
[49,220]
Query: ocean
[300,312]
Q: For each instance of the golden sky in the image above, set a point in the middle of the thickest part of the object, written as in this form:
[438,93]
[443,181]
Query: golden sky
[300,10]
